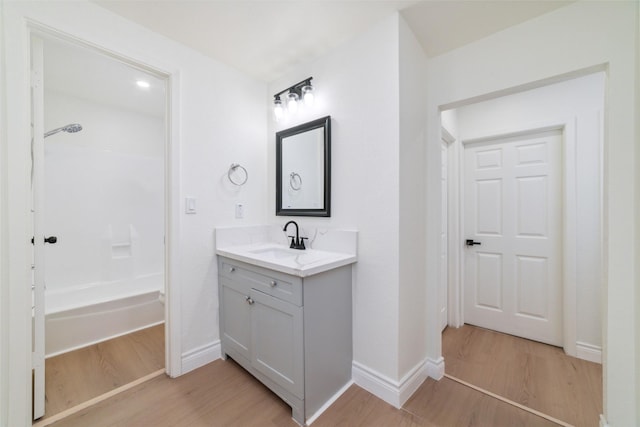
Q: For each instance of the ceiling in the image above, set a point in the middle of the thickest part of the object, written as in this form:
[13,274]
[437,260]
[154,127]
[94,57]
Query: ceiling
[265,38]
[80,72]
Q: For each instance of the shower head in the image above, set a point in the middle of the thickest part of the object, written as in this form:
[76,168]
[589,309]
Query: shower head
[71,128]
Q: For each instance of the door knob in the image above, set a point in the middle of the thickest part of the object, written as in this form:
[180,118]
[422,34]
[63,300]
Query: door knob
[50,239]
[470,242]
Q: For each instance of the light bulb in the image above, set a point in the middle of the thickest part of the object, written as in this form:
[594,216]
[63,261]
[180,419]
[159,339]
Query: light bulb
[307,94]
[292,103]
[278,111]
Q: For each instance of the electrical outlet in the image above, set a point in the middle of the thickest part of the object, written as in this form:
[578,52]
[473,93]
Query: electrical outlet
[190,205]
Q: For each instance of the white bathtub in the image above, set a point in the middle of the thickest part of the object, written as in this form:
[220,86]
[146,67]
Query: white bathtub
[85,315]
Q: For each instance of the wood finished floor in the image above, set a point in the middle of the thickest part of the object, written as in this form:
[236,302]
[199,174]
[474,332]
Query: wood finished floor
[533,374]
[80,375]
[223,394]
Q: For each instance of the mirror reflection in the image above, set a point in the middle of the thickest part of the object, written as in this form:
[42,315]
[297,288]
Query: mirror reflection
[303,169]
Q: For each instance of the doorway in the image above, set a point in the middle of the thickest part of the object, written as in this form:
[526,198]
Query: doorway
[99,144]
[574,108]
[499,133]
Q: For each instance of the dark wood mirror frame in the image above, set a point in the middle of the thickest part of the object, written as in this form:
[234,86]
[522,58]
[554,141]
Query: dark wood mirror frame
[325,210]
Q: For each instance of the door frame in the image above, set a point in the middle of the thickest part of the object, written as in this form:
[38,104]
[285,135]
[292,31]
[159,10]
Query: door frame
[454,268]
[567,127]
[172,214]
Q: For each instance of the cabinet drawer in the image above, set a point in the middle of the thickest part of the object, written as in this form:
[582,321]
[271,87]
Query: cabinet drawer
[282,286]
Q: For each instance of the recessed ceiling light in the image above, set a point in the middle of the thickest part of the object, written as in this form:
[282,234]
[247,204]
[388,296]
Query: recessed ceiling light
[143,84]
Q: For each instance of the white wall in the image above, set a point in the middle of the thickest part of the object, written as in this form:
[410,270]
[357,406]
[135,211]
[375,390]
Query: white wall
[4,291]
[637,228]
[579,36]
[373,88]
[449,121]
[357,85]
[412,193]
[104,187]
[581,102]
[219,119]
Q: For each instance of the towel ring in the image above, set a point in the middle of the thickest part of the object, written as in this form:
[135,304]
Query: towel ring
[293,177]
[237,181]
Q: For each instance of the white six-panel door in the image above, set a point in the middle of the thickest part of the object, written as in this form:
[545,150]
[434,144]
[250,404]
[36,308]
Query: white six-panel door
[512,207]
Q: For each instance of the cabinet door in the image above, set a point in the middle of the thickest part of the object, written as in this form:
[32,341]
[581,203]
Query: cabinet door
[235,320]
[277,341]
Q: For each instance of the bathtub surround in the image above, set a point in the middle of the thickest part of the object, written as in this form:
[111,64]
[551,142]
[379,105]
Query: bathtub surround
[104,192]
[104,200]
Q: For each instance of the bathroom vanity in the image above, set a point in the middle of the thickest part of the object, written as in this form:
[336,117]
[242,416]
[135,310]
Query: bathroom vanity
[285,316]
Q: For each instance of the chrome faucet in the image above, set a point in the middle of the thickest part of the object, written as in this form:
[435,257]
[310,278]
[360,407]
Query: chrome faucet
[297,242]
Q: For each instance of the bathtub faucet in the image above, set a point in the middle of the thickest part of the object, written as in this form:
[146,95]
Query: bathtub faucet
[297,242]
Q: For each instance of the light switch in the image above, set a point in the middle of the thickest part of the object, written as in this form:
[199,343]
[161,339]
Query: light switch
[190,205]
[239,211]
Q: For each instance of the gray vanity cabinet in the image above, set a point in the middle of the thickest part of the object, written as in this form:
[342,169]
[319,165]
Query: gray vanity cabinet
[292,333]
[236,323]
[276,338]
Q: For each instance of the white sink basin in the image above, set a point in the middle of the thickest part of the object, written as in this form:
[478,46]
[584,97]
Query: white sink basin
[300,262]
[277,252]
[298,256]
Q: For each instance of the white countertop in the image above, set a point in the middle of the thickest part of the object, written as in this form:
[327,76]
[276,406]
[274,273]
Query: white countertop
[301,263]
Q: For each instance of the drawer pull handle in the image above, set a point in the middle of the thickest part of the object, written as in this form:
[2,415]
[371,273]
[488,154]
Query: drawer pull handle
[232,269]
[273,284]
[249,300]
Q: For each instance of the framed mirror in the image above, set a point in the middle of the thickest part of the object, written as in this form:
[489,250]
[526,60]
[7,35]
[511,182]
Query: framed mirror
[303,169]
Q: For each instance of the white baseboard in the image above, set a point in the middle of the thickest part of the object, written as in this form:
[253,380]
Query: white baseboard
[435,368]
[201,356]
[376,384]
[592,353]
[396,393]
[328,403]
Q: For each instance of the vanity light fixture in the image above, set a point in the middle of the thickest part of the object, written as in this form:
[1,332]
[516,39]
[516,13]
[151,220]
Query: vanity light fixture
[307,94]
[299,91]
[292,102]
[278,110]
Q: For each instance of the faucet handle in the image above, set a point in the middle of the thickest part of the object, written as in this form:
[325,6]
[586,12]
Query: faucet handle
[293,242]
[302,239]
